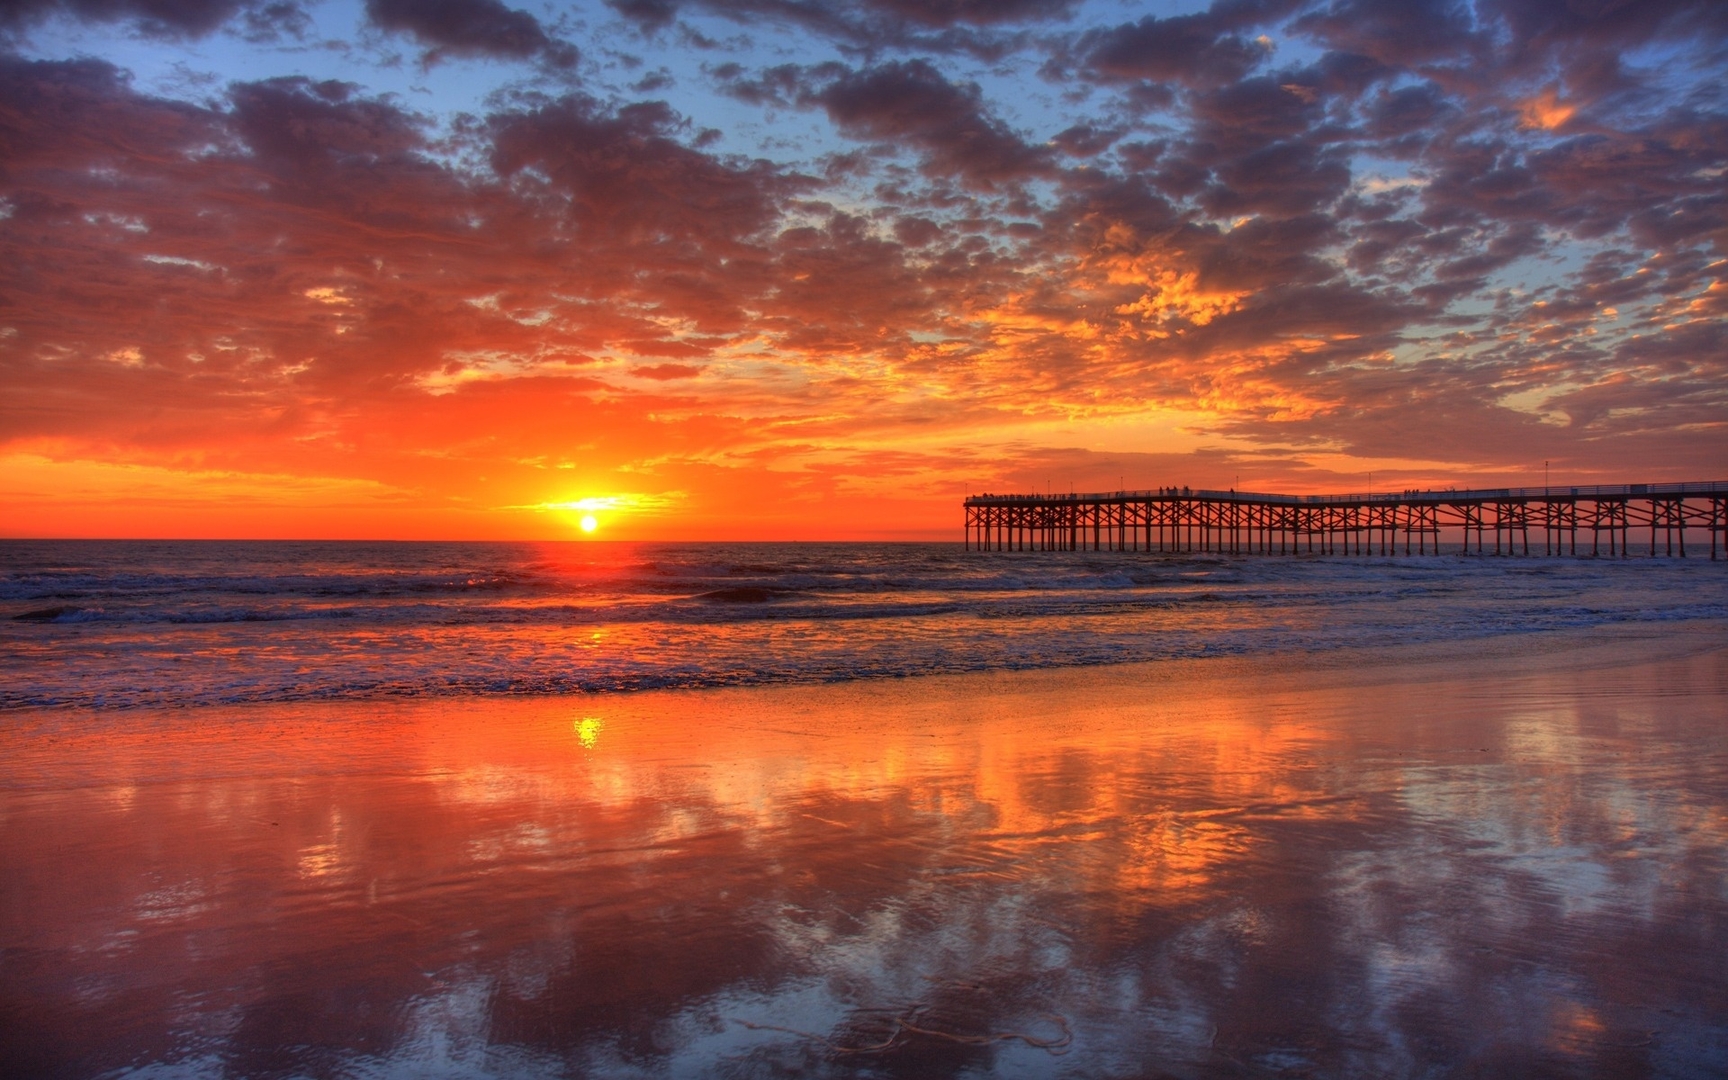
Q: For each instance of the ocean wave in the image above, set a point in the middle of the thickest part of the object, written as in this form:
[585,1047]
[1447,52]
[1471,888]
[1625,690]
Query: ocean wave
[121,626]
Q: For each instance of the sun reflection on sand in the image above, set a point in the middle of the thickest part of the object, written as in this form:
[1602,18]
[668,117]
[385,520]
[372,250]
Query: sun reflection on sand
[588,730]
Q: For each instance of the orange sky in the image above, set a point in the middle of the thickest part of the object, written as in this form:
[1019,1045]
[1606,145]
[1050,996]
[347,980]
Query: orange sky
[470,271]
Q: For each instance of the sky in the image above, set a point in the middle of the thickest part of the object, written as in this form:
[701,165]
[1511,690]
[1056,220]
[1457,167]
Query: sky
[787,269]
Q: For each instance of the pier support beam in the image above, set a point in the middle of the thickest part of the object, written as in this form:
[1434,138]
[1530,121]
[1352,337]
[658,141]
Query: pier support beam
[1239,523]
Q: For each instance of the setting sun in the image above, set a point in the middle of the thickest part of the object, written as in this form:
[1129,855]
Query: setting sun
[588,523]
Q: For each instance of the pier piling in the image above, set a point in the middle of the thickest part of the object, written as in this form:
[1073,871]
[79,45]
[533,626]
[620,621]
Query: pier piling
[1233,522]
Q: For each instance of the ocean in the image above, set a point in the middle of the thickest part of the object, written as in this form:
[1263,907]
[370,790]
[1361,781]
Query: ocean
[117,625]
[398,810]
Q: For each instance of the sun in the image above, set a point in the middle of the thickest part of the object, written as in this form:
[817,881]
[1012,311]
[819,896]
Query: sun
[588,523]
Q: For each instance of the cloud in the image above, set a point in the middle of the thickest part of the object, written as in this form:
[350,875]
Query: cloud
[978,12]
[1085,140]
[1281,179]
[851,19]
[1536,25]
[989,29]
[647,14]
[778,85]
[913,103]
[1372,243]
[622,185]
[1404,35]
[1194,50]
[666,372]
[471,28]
[161,18]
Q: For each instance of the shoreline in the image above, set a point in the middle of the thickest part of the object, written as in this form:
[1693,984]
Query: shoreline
[67,749]
[1614,644]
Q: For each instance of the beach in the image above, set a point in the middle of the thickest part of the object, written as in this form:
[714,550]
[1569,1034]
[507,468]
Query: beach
[1494,856]
[863,539]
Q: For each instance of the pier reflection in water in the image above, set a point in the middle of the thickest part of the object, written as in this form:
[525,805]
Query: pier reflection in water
[1169,869]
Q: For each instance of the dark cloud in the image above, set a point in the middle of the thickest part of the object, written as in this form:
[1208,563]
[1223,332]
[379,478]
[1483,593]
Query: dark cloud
[648,14]
[1085,140]
[1265,254]
[1261,145]
[1281,179]
[1402,35]
[846,18]
[620,178]
[1534,25]
[471,28]
[976,27]
[1246,115]
[1190,49]
[979,12]
[304,131]
[1383,247]
[274,20]
[913,103]
[1103,211]
[916,231]
[780,85]
[666,372]
[155,18]
[1421,110]
[78,114]
[1661,180]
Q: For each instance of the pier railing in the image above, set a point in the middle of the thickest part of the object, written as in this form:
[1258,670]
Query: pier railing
[1243,522]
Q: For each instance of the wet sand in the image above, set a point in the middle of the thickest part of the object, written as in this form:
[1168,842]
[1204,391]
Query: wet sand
[1507,857]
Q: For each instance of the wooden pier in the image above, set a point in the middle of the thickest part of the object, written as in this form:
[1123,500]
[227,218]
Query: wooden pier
[1601,520]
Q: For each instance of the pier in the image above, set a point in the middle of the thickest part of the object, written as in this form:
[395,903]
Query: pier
[1604,520]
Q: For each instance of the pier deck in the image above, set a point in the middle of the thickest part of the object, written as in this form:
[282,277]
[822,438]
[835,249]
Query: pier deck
[1599,520]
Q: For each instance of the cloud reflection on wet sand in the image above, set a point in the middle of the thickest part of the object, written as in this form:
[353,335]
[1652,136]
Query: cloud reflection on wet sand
[1202,869]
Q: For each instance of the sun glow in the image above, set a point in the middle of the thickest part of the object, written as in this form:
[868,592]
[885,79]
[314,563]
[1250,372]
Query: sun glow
[595,503]
[586,513]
